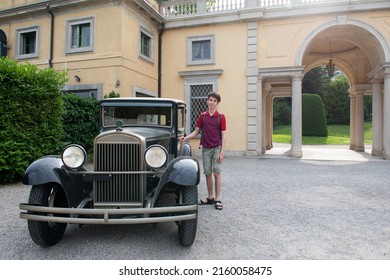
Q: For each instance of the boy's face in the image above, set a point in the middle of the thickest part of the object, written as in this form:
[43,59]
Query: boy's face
[212,102]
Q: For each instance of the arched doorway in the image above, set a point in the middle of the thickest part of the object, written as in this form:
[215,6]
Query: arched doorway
[360,52]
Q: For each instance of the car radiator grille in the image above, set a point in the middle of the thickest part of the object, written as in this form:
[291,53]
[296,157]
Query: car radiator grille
[124,190]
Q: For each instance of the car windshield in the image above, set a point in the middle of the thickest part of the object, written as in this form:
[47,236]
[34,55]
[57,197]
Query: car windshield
[137,116]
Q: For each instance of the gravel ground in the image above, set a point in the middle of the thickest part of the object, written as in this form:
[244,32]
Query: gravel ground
[275,208]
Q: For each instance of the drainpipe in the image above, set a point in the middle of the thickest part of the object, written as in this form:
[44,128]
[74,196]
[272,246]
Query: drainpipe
[51,35]
[159,58]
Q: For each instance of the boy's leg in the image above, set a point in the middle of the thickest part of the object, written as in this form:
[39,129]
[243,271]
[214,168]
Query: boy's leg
[217,177]
[217,169]
[209,182]
[207,158]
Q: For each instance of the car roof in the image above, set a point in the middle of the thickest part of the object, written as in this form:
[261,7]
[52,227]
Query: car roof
[141,99]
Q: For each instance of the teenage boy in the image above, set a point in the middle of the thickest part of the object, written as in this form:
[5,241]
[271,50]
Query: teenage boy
[213,139]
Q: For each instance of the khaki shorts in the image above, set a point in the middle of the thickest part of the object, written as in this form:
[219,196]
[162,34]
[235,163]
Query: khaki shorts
[210,160]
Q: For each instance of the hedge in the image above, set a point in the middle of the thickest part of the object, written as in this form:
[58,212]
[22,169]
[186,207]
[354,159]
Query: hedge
[31,115]
[81,120]
[313,116]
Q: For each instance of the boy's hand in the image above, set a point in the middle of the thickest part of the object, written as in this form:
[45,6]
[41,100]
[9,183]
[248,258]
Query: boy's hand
[220,157]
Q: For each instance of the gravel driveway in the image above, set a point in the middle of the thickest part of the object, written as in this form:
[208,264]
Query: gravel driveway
[275,208]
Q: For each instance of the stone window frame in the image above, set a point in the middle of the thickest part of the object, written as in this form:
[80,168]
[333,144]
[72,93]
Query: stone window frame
[79,21]
[189,49]
[19,33]
[202,77]
[145,31]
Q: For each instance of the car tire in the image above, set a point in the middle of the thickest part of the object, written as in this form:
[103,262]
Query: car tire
[47,234]
[187,229]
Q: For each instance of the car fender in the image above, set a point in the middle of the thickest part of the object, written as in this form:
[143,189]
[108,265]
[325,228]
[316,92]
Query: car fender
[187,150]
[51,169]
[44,170]
[183,171]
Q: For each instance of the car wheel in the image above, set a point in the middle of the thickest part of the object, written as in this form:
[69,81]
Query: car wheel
[187,229]
[46,234]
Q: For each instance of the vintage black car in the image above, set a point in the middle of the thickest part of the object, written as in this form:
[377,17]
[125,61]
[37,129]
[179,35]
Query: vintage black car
[142,173]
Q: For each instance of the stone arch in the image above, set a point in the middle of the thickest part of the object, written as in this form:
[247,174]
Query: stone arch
[380,39]
[363,54]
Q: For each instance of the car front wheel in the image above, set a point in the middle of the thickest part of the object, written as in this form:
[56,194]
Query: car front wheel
[46,234]
[187,229]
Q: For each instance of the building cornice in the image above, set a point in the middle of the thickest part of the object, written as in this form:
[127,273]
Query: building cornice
[38,7]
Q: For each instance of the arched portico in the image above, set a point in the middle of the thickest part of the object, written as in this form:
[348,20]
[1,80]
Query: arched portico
[361,52]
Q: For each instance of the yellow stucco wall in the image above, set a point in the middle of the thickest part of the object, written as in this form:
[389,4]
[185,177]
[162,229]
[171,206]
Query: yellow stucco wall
[115,55]
[230,56]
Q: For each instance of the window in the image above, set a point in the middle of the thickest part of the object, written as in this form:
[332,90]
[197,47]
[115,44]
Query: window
[197,85]
[181,114]
[200,50]
[27,42]
[198,102]
[3,43]
[80,35]
[146,46]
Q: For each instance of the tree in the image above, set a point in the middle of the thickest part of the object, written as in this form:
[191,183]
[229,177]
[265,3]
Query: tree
[337,101]
[316,81]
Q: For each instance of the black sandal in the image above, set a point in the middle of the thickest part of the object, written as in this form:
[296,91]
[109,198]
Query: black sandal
[208,201]
[218,205]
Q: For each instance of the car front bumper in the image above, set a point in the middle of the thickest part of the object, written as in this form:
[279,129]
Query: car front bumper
[108,216]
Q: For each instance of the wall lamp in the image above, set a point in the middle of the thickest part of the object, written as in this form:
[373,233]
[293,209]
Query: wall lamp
[77,78]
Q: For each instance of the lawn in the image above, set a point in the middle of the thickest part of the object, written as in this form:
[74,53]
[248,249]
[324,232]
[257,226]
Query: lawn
[337,135]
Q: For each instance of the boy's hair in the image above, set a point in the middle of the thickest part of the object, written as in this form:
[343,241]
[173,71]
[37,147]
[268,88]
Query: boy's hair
[215,95]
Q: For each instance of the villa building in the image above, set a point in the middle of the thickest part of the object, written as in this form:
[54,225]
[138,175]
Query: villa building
[249,51]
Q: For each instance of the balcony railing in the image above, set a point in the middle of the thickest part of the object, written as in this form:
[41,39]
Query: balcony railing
[185,8]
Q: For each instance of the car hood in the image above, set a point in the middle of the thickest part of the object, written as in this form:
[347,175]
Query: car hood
[147,133]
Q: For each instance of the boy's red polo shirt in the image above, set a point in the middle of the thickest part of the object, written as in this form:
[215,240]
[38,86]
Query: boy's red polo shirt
[212,136]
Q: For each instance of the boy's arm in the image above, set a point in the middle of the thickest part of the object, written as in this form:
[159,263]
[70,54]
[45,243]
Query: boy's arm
[221,152]
[191,135]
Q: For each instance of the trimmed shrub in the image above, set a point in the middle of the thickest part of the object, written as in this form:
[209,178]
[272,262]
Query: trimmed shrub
[313,116]
[31,114]
[81,120]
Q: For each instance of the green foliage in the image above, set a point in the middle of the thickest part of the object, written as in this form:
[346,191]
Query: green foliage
[313,116]
[337,101]
[81,120]
[112,94]
[316,81]
[30,119]
[281,111]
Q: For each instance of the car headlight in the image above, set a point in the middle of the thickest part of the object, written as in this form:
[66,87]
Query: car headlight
[156,156]
[74,156]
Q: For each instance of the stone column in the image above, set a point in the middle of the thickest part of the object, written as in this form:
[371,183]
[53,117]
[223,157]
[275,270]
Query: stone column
[296,117]
[359,121]
[268,118]
[386,115]
[254,94]
[377,118]
[352,121]
[260,118]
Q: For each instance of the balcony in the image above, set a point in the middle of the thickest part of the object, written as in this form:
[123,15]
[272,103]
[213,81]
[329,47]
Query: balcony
[195,8]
